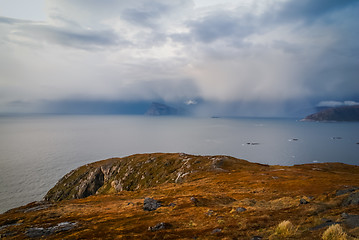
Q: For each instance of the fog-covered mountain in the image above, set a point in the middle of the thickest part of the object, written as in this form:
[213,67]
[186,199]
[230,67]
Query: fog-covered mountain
[344,113]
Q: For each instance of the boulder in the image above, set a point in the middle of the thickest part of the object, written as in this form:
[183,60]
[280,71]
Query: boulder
[194,201]
[241,209]
[352,199]
[303,201]
[210,213]
[346,190]
[217,230]
[150,204]
[160,226]
[37,232]
[351,221]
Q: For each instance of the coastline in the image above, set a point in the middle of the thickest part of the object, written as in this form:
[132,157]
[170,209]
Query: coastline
[207,199]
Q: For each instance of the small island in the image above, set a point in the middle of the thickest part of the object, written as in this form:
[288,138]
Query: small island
[336,114]
[160,109]
[182,196]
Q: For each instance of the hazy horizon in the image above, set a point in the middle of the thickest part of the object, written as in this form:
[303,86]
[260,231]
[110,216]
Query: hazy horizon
[238,58]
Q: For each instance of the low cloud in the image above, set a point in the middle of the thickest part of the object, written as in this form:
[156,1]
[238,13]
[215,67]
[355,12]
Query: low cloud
[268,53]
[336,103]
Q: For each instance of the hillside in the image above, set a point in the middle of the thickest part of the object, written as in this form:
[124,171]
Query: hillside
[181,196]
[338,114]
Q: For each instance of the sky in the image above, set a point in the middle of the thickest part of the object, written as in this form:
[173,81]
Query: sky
[244,57]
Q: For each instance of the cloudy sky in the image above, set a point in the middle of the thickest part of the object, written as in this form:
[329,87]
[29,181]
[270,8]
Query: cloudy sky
[245,57]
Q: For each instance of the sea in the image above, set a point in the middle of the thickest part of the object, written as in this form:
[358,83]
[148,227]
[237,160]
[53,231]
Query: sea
[36,151]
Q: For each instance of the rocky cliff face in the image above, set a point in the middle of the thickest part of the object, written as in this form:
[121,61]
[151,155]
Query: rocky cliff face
[348,114]
[133,173]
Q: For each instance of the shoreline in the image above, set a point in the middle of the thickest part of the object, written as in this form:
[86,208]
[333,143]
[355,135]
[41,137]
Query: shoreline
[197,196]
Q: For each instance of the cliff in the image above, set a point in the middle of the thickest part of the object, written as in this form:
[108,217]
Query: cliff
[181,196]
[133,173]
[339,114]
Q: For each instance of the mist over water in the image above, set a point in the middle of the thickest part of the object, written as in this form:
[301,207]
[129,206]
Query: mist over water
[35,152]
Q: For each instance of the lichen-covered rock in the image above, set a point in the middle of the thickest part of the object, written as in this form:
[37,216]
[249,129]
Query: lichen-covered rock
[241,209]
[351,221]
[303,201]
[37,232]
[77,184]
[346,190]
[150,204]
[352,199]
[134,172]
[160,226]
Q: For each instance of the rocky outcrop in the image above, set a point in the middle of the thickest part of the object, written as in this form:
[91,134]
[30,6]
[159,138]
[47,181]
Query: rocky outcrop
[150,204]
[160,226]
[37,232]
[337,114]
[133,173]
[352,199]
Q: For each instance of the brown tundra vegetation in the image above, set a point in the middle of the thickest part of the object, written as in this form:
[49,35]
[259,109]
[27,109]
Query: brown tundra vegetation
[181,196]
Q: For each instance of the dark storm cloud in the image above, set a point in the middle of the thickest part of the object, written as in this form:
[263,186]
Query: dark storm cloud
[9,20]
[244,54]
[309,10]
[217,26]
[78,38]
[73,36]
[146,14]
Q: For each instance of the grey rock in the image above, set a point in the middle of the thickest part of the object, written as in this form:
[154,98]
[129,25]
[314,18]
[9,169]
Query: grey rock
[151,204]
[117,185]
[351,221]
[352,199]
[346,190]
[160,226]
[194,201]
[41,205]
[91,184]
[217,230]
[217,162]
[172,205]
[37,232]
[64,226]
[81,186]
[9,225]
[256,238]
[303,201]
[7,234]
[241,209]
[326,223]
[210,213]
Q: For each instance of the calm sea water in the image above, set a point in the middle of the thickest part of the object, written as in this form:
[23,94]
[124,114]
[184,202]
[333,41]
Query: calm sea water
[35,152]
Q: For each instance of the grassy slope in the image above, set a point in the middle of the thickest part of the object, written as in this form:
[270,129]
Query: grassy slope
[270,194]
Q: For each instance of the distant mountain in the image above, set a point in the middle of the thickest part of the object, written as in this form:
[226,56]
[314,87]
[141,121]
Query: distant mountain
[339,114]
[160,109]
